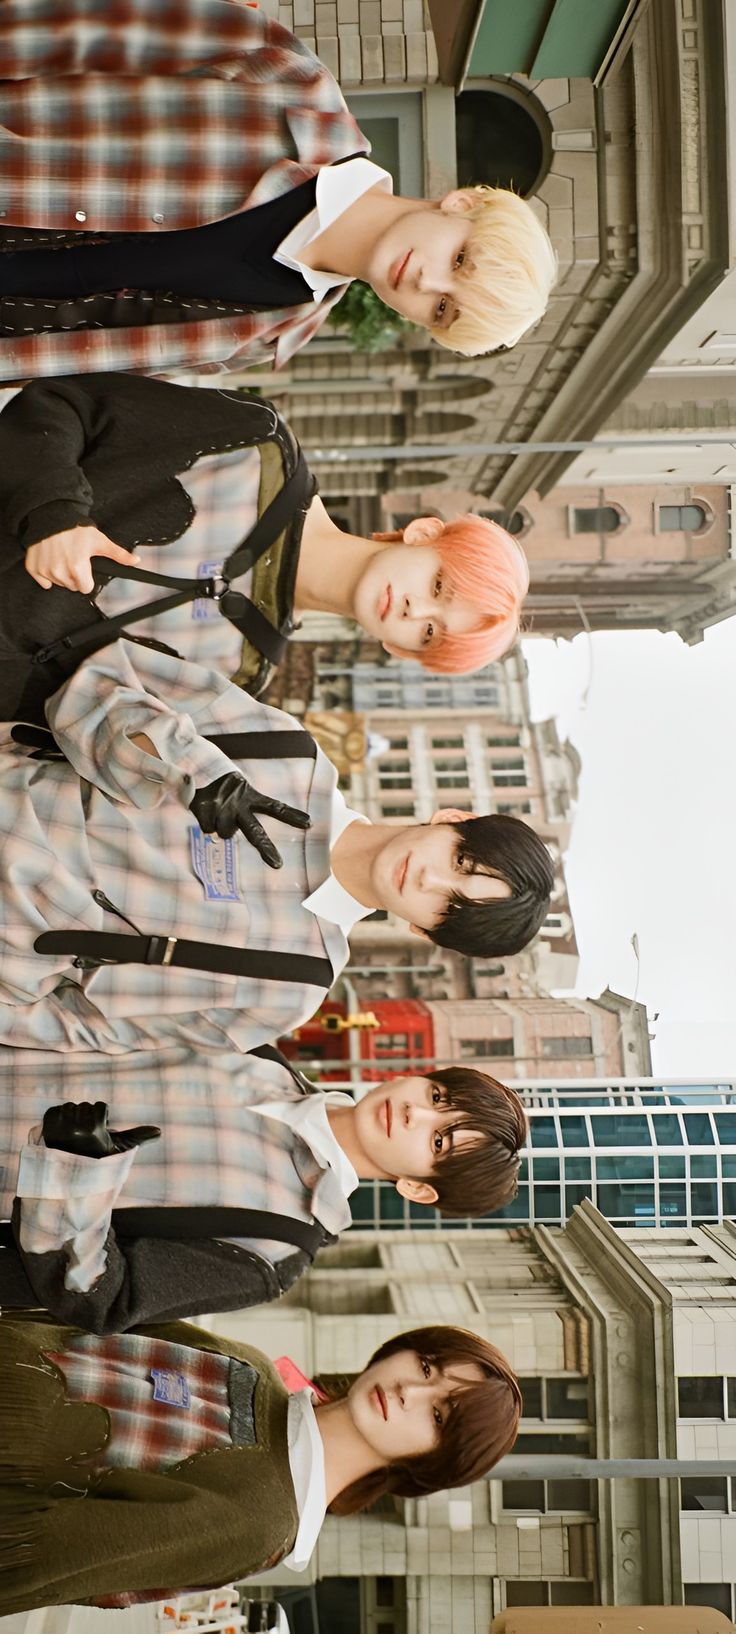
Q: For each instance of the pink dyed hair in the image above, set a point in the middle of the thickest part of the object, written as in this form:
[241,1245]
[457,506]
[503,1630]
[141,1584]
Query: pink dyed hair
[486,566]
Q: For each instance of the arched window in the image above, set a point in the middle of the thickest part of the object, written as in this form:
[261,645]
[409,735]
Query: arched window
[595,518]
[682,518]
[503,137]
[516,522]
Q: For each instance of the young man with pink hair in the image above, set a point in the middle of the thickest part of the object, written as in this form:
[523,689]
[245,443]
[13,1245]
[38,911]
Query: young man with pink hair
[146,478]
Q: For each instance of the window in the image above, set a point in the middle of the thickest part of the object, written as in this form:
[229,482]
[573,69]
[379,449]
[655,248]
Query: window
[527,1592]
[451,774]
[557,1049]
[448,743]
[717,1596]
[595,519]
[513,810]
[394,774]
[397,811]
[682,518]
[511,741]
[710,1493]
[488,1046]
[706,1396]
[509,773]
[548,1497]
[552,1398]
[401,744]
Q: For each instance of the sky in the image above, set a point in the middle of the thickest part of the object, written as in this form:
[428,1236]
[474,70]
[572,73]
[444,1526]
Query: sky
[653,847]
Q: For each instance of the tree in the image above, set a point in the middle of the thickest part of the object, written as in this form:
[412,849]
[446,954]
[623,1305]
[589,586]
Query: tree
[369,324]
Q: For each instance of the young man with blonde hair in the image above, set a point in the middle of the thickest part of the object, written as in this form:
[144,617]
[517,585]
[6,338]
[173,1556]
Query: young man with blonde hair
[186,189]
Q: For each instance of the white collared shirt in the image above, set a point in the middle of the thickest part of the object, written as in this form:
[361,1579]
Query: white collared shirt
[307,1466]
[338,186]
[331,900]
[308,1119]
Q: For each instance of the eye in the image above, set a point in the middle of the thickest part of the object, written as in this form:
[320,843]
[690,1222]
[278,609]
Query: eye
[438,1142]
[436,1096]
[426,1366]
[459,260]
[437,1416]
[428,636]
[440,309]
[463,863]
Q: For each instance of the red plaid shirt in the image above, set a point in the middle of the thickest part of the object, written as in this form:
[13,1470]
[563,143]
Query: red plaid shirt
[165,1401]
[116,115]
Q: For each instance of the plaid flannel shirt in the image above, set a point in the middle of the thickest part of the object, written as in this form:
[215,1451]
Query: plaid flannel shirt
[113,818]
[166,1402]
[219,1145]
[120,116]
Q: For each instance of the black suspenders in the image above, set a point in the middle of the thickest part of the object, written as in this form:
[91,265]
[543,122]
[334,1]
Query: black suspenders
[112,947]
[295,494]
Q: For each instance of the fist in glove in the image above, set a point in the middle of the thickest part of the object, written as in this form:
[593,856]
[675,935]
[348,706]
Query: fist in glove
[81,1127]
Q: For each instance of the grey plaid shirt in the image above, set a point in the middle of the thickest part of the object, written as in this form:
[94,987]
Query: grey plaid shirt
[236,1131]
[115,819]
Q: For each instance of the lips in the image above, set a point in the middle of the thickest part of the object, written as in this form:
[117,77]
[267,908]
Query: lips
[380,1396]
[385,604]
[398,270]
[401,874]
[388,1117]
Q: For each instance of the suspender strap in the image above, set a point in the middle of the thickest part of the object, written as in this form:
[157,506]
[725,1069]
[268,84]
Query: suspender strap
[254,964]
[294,493]
[218,1221]
[265,745]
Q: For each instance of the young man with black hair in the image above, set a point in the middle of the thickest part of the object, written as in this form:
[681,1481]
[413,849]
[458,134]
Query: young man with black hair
[187,189]
[132,915]
[237,1131]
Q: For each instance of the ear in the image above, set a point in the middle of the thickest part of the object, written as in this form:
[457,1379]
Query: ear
[451,814]
[417,1191]
[423,530]
[457,202]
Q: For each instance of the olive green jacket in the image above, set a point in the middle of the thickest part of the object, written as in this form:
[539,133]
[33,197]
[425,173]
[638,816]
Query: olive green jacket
[68,1534]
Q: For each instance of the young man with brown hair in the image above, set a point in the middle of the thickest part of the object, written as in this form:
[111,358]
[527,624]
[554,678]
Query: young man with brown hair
[235,1132]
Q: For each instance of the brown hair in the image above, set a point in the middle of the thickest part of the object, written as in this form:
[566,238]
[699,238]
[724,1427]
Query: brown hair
[482,1176]
[481,1426]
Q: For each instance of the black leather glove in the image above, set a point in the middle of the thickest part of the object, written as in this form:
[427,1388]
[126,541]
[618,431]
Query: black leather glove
[81,1127]
[231,803]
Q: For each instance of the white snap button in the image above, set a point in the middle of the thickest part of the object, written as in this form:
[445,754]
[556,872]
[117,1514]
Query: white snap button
[80,215]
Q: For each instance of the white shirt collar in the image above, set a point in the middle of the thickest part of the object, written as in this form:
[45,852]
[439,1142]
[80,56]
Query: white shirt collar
[308,1118]
[331,900]
[338,186]
[307,1466]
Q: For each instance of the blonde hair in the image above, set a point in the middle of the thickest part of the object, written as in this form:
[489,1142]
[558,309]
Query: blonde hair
[509,273]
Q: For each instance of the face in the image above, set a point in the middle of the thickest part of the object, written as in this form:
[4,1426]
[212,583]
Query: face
[404,598]
[418,869]
[416,265]
[403,1127]
[400,1405]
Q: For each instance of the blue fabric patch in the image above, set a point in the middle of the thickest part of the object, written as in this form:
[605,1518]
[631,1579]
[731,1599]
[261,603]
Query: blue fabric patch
[215,863]
[204,606]
[170,1387]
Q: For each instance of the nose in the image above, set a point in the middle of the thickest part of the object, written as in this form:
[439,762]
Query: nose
[432,878]
[417,607]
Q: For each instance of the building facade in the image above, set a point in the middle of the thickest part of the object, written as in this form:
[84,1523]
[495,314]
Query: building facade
[624,1341]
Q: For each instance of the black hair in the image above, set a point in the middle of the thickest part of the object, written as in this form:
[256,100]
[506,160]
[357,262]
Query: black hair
[514,853]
